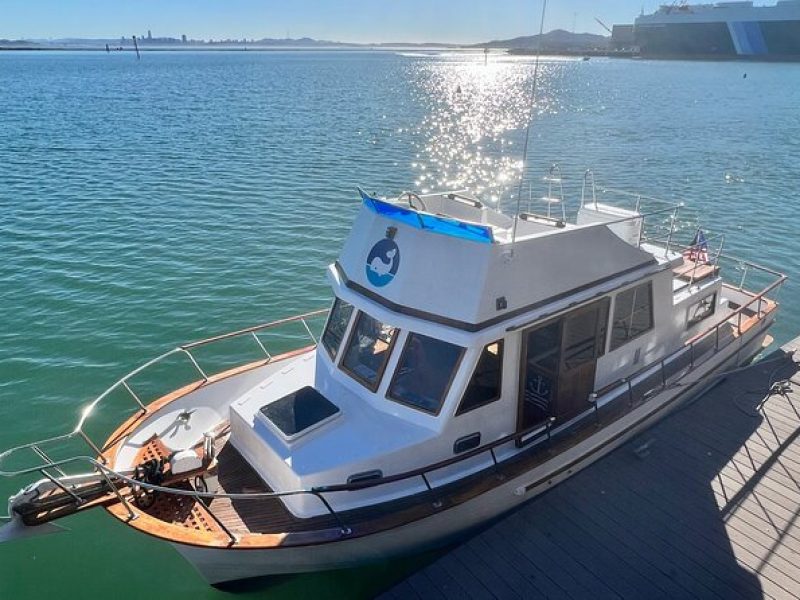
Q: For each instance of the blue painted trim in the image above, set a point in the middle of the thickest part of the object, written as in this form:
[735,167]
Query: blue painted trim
[435,224]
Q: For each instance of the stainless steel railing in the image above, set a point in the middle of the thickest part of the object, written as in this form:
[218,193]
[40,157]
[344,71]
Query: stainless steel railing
[39,448]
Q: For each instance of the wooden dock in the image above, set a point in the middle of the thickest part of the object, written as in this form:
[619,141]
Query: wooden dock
[705,504]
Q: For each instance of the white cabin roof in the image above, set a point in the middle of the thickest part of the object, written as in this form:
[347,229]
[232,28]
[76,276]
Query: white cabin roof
[455,263]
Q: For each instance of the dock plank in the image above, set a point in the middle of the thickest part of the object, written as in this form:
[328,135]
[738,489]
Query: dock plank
[710,509]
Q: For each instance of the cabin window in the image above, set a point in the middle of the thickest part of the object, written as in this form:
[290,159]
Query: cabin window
[486,382]
[701,310]
[424,372]
[368,350]
[337,325]
[585,334]
[633,314]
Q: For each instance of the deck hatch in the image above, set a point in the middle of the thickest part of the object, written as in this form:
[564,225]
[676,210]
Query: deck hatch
[299,411]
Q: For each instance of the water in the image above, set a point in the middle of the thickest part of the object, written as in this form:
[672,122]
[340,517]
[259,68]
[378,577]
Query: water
[147,203]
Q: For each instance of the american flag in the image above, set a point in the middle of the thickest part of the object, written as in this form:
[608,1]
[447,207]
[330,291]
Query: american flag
[698,250]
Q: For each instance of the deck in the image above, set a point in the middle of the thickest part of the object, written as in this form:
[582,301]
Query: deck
[705,504]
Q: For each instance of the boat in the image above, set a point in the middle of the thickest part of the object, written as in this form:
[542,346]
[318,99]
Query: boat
[470,361]
[723,30]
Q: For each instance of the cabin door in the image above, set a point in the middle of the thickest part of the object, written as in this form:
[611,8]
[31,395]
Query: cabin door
[559,360]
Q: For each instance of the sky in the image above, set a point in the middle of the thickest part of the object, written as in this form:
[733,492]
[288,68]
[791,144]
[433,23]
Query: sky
[455,21]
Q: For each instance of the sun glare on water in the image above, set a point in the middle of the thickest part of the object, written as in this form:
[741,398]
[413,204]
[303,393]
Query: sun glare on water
[472,135]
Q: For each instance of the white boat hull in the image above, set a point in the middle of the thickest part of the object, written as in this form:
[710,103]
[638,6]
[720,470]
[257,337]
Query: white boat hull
[220,565]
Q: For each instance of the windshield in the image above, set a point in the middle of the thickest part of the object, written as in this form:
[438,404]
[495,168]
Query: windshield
[424,372]
[337,325]
[368,350]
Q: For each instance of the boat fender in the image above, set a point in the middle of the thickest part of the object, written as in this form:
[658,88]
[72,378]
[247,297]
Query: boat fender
[184,461]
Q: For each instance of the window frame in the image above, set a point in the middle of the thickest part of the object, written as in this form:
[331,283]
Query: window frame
[697,320]
[501,345]
[610,333]
[445,392]
[602,308]
[378,374]
[334,355]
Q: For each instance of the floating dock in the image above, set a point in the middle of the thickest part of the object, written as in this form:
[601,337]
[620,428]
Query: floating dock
[704,504]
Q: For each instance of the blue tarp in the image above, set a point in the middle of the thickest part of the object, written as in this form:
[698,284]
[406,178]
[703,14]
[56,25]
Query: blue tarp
[433,223]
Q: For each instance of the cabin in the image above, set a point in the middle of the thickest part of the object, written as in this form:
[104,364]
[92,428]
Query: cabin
[454,325]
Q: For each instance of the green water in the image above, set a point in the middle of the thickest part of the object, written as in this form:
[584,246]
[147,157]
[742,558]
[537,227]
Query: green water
[144,204]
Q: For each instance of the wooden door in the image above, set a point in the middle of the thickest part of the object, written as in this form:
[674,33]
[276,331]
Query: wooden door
[583,341]
[559,361]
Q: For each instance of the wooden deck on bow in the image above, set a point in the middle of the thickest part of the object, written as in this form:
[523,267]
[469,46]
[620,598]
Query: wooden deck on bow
[705,504]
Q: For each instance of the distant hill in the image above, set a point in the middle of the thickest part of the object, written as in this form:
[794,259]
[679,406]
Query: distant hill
[17,44]
[556,40]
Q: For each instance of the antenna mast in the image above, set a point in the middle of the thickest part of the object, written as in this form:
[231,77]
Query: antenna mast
[531,108]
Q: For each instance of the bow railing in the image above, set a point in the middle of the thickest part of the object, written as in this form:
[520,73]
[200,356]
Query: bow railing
[41,450]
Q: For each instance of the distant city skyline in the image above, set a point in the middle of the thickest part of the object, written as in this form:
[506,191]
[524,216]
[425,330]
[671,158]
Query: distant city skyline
[361,21]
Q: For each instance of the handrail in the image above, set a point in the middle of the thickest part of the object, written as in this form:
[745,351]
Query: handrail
[184,349]
[270,325]
[692,342]
[639,197]
[421,471]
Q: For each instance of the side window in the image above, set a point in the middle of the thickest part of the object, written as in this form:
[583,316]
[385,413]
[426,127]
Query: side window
[337,325]
[368,350]
[486,382]
[424,372]
[633,314]
[585,334]
[701,310]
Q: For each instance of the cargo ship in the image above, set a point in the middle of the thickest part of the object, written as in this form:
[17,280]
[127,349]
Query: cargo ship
[724,30]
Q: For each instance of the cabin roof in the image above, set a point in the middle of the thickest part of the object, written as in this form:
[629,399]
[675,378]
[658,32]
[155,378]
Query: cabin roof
[455,263]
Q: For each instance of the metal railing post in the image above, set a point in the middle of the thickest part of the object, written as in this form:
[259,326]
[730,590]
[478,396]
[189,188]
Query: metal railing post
[719,250]
[672,219]
[132,515]
[135,397]
[217,520]
[593,402]
[47,459]
[344,529]
[260,345]
[62,487]
[308,329]
[196,366]
[744,276]
[93,446]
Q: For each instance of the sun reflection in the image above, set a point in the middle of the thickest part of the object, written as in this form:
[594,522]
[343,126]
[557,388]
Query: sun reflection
[475,112]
